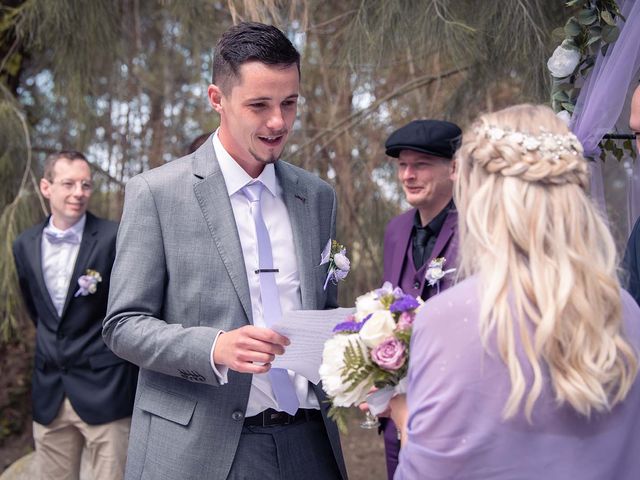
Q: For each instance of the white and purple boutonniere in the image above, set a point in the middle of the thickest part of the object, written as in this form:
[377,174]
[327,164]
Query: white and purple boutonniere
[339,265]
[88,283]
[436,272]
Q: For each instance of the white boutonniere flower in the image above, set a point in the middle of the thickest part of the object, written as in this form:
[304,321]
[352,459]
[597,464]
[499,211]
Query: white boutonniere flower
[436,272]
[339,265]
[88,283]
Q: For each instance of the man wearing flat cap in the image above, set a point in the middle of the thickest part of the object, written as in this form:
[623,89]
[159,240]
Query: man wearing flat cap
[416,241]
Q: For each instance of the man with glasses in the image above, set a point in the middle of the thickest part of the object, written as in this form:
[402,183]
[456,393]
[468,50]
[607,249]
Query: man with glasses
[82,393]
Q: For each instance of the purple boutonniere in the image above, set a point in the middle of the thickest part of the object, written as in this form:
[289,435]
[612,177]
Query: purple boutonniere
[88,283]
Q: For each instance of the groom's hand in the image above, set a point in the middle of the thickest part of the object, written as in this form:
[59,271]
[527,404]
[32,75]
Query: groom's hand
[249,349]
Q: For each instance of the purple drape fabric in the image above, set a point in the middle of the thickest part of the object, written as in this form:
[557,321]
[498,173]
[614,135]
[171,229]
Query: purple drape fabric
[603,95]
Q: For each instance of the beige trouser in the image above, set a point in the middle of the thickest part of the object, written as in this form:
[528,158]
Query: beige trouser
[59,446]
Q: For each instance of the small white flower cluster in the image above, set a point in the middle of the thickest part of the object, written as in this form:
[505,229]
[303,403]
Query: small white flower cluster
[548,144]
[436,272]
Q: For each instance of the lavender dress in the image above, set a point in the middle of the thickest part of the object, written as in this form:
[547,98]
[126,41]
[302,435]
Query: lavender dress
[456,395]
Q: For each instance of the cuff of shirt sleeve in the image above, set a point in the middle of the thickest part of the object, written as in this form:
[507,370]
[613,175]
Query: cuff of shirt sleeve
[220,371]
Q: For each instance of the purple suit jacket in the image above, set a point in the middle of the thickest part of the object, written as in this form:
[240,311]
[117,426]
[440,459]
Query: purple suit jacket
[397,240]
[398,235]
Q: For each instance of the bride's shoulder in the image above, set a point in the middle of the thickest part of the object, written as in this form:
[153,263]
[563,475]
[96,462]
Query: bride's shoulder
[464,292]
[456,304]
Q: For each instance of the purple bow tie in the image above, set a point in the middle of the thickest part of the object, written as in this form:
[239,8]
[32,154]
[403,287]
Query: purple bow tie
[68,236]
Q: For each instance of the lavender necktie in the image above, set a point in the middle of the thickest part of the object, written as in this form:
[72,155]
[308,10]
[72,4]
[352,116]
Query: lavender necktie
[283,389]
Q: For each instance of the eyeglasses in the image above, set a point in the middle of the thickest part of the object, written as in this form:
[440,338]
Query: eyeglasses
[70,185]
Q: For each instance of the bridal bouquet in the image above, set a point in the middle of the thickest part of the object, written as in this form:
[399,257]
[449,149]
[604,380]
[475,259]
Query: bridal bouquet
[369,349]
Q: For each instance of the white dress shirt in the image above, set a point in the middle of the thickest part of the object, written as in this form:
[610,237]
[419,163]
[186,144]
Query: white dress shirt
[58,261]
[276,218]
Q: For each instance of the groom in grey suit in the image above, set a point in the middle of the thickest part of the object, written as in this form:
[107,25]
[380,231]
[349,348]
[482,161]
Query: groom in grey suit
[202,243]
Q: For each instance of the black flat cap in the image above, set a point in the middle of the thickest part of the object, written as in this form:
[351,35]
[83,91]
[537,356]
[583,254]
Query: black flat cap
[435,137]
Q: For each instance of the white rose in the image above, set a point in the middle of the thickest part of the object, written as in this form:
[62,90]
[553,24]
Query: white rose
[564,116]
[333,366]
[563,62]
[366,304]
[378,328]
[436,273]
[342,262]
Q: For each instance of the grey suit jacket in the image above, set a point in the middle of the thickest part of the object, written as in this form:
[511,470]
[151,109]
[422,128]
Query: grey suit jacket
[178,279]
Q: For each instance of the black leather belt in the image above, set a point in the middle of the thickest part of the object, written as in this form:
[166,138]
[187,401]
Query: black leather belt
[271,417]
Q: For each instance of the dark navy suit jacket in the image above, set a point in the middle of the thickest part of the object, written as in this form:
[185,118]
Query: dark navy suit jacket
[632,263]
[71,358]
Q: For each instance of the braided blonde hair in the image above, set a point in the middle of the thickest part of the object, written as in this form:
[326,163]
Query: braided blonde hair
[545,258]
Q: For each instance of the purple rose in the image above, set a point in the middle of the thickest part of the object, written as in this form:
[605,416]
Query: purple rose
[405,321]
[389,355]
[407,302]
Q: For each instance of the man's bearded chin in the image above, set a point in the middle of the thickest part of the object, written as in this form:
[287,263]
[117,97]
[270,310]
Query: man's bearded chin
[267,160]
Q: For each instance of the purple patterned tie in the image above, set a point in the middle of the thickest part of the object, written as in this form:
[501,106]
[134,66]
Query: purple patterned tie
[282,387]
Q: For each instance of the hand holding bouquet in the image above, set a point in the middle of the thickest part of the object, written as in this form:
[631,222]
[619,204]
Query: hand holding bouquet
[370,348]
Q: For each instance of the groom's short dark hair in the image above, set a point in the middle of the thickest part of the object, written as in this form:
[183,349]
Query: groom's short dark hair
[250,41]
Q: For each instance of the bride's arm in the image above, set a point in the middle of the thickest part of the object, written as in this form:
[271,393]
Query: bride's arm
[399,415]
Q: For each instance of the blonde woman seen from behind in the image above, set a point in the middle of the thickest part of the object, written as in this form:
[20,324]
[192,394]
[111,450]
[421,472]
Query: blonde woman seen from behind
[527,368]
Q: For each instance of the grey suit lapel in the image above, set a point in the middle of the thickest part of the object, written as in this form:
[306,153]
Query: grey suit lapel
[304,230]
[35,247]
[89,240]
[211,191]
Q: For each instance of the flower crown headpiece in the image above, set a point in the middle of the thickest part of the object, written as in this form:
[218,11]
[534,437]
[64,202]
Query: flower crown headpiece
[547,143]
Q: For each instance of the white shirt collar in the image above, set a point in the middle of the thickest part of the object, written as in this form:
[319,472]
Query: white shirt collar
[76,228]
[235,176]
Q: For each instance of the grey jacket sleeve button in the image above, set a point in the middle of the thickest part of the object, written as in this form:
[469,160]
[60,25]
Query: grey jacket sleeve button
[237,415]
